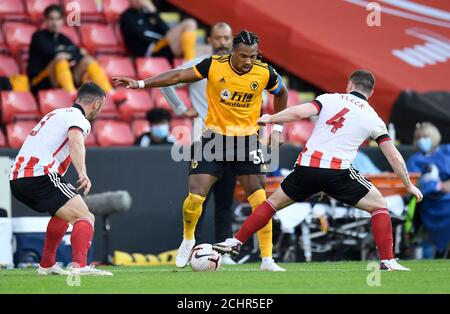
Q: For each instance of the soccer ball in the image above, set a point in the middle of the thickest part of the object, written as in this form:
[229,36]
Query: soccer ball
[204,258]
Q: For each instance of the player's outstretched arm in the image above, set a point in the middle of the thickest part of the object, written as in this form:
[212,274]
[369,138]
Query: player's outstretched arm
[280,100]
[168,78]
[77,153]
[290,114]
[399,166]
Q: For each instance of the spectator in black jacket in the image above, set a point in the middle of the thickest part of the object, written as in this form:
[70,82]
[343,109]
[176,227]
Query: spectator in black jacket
[146,34]
[55,61]
[159,134]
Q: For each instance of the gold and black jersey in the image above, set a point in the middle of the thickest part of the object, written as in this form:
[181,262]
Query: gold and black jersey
[235,99]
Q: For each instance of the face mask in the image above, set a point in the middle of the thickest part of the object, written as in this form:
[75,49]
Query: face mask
[424,144]
[160,131]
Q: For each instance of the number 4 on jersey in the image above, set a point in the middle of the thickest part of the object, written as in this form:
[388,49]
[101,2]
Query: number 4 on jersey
[337,121]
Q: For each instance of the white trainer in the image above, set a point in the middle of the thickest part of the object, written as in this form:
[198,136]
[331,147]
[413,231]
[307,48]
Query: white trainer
[90,271]
[227,260]
[184,252]
[54,270]
[268,264]
[392,265]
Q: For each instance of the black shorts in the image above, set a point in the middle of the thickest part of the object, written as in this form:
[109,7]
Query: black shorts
[165,52]
[346,185]
[46,193]
[44,84]
[241,154]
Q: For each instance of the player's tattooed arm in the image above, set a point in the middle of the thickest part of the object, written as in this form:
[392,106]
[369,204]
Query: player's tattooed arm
[168,78]
[399,166]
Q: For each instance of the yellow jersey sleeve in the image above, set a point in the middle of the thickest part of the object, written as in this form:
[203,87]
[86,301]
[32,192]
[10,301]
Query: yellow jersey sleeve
[202,69]
[275,81]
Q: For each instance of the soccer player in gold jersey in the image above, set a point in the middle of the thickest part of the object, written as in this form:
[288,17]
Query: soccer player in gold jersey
[234,92]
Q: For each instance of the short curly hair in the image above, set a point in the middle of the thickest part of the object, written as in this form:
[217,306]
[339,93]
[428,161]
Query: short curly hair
[158,115]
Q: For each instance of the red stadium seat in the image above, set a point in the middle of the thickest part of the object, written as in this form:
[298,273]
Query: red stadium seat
[140,127]
[2,139]
[109,110]
[151,66]
[17,132]
[184,96]
[113,133]
[293,98]
[178,62]
[183,131]
[117,66]
[3,47]
[8,66]
[90,140]
[112,9]
[137,103]
[72,33]
[99,38]
[35,8]
[160,101]
[18,105]
[12,10]
[52,99]
[89,9]
[299,132]
[18,36]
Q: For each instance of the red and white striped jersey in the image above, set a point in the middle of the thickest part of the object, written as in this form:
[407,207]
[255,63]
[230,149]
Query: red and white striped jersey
[46,148]
[345,121]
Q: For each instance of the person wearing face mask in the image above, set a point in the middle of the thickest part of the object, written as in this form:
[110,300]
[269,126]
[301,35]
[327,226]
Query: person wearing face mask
[433,162]
[159,133]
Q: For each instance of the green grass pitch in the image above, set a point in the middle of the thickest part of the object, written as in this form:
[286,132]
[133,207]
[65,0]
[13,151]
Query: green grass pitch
[325,277]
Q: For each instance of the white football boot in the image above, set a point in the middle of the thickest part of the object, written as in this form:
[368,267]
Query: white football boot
[184,252]
[268,264]
[54,270]
[90,271]
[231,246]
[392,265]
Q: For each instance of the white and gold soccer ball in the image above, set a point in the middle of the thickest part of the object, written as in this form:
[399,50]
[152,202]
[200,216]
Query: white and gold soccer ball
[204,258]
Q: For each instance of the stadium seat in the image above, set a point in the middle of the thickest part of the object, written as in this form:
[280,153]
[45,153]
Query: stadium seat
[18,105]
[117,66]
[89,9]
[18,36]
[184,135]
[160,101]
[177,62]
[12,10]
[293,98]
[8,66]
[151,66]
[112,9]
[35,9]
[72,33]
[137,103]
[52,99]
[99,38]
[139,127]
[17,132]
[109,110]
[3,47]
[2,139]
[90,140]
[113,133]
[299,132]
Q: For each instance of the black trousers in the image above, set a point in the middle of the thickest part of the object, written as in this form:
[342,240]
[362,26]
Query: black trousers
[223,215]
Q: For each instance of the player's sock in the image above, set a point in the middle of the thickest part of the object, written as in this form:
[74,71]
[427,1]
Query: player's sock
[264,234]
[382,232]
[81,237]
[257,220]
[188,40]
[64,76]
[56,229]
[192,209]
[97,75]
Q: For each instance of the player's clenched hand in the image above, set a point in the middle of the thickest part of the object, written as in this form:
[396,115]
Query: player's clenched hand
[415,191]
[275,139]
[125,81]
[84,184]
[264,119]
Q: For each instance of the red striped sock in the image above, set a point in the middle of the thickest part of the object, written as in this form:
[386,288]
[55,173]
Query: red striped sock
[382,232]
[257,220]
[56,229]
[81,238]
